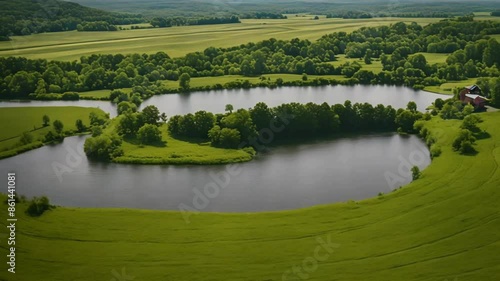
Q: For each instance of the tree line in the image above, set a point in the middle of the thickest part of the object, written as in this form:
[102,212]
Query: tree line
[24,17]
[182,21]
[296,121]
[474,54]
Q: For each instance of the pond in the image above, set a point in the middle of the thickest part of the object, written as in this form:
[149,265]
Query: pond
[285,177]
[215,101]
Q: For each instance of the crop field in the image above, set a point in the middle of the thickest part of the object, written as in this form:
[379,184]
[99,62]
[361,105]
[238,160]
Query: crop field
[178,41]
[443,226]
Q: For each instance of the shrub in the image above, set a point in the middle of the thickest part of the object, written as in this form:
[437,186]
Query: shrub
[415,173]
[79,125]
[46,120]
[435,151]
[38,205]
[50,137]
[148,134]
[26,138]
[464,142]
[70,96]
[58,126]
[96,131]
[104,147]
[470,123]
[126,106]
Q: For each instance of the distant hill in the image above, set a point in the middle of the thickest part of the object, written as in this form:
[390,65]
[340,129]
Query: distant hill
[23,17]
[242,7]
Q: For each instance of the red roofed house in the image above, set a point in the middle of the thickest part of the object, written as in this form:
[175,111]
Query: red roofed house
[472,95]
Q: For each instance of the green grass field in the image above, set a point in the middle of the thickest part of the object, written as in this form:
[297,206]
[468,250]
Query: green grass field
[447,88]
[180,152]
[98,94]
[178,41]
[433,58]
[444,226]
[375,66]
[29,119]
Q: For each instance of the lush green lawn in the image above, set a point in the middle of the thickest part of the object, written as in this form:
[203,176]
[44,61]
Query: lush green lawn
[98,94]
[447,88]
[176,151]
[485,16]
[433,58]
[17,120]
[375,66]
[178,41]
[444,226]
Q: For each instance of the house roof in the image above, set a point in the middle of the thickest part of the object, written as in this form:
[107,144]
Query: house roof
[475,96]
[472,88]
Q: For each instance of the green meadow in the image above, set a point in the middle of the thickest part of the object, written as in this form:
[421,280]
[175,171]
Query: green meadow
[175,151]
[443,226]
[375,66]
[433,58]
[178,41]
[100,94]
[448,87]
[17,120]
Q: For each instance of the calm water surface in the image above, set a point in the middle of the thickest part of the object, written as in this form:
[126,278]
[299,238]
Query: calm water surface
[286,177]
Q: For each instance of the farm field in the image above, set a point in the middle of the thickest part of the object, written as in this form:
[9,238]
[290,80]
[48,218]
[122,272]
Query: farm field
[443,226]
[29,119]
[178,41]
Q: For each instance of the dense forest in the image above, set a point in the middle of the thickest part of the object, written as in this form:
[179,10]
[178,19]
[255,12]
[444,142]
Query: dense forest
[23,17]
[181,21]
[365,15]
[473,54]
[193,8]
